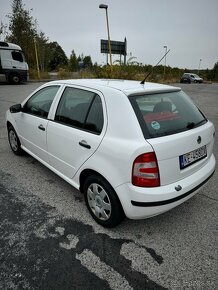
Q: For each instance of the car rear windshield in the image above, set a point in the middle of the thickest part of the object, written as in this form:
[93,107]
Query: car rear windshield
[166,113]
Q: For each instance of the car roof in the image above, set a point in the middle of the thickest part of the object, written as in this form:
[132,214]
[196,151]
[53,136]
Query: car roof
[126,86]
[190,74]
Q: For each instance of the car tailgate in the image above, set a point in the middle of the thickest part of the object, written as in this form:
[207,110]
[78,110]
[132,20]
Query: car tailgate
[168,150]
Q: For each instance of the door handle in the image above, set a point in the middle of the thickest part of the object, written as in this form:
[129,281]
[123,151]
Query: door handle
[41,127]
[83,143]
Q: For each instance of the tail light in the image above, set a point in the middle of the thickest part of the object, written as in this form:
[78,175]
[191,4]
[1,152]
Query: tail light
[145,172]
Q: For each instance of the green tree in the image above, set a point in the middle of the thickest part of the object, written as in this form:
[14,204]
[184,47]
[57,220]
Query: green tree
[57,57]
[73,62]
[22,29]
[80,58]
[43,50]
[3,31]
[215,72]
[80,61]
[132,61]
[87,62]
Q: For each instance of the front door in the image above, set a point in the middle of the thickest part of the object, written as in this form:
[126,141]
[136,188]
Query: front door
[32,122]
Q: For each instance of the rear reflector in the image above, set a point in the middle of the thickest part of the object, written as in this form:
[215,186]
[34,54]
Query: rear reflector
[145,172]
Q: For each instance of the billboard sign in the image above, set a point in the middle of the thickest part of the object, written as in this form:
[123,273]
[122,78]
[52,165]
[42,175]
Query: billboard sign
[117,47]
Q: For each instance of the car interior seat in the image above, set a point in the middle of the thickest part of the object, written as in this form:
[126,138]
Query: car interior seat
[163,106]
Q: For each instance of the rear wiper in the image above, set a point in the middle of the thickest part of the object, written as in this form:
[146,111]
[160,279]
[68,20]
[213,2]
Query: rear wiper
[192,125]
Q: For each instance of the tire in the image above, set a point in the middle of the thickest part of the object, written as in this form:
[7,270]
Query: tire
[102,202]
[14,79]
[14,141]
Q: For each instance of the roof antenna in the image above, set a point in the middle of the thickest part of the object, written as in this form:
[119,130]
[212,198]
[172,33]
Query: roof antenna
[143,82]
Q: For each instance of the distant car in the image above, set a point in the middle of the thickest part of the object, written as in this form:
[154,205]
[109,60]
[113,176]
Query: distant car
[190,78]
[134,150]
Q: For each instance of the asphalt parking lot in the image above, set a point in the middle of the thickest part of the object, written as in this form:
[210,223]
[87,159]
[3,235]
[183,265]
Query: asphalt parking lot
[48,240]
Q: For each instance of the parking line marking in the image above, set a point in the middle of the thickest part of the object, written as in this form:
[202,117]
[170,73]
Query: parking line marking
[73,240]
[143,262]
[102,270]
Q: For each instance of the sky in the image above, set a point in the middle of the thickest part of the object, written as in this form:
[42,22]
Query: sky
[188,28]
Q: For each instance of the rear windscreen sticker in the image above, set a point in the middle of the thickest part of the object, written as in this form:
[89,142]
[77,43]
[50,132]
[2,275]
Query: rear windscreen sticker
[155,125]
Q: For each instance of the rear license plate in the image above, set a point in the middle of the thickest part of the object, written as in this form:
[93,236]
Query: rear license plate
[191,157]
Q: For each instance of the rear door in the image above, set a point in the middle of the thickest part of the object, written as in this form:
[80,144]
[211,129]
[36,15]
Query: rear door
[77,129]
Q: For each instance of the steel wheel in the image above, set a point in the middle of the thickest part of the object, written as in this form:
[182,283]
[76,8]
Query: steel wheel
[14,141]
[102,201]
[99,201]
[14,79]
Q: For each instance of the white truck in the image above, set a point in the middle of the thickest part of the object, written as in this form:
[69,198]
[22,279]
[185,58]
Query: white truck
[13,66]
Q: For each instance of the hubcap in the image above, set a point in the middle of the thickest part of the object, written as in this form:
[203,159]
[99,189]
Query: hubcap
[99,201]
[13,140]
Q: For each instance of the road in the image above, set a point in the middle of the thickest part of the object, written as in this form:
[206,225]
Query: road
[49,241]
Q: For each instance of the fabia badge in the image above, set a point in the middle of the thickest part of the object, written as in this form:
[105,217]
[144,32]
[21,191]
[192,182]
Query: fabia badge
[199,140]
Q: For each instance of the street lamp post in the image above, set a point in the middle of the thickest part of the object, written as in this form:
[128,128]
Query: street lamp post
[103,6]
[37,59]
[199,65]
[165,60]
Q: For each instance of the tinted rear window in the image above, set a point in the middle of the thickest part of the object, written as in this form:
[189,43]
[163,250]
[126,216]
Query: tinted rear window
[166,113]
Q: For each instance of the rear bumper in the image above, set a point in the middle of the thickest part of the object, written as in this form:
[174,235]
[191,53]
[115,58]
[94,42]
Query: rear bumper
[141,203]
[172,200]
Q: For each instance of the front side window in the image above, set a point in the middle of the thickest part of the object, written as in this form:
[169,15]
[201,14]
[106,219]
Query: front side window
[166,113]
[39,104]
[80,109]
[16,55]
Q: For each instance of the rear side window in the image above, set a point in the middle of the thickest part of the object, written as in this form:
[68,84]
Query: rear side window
[166,113]
[80,109]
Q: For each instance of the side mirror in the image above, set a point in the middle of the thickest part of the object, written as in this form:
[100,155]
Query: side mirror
[16,108]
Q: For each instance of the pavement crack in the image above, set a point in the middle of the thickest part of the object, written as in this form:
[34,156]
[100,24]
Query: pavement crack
[211,198]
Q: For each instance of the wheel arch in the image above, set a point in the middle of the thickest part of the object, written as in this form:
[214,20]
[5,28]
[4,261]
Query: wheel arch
[9,125]
[85,174]
[11,122]
[89,172]
[13,125]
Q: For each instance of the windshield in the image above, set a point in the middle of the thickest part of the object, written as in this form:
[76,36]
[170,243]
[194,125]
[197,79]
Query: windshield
[166,113]
[24,59]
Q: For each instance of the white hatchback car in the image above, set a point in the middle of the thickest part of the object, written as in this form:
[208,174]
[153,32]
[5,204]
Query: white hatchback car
[134,150]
